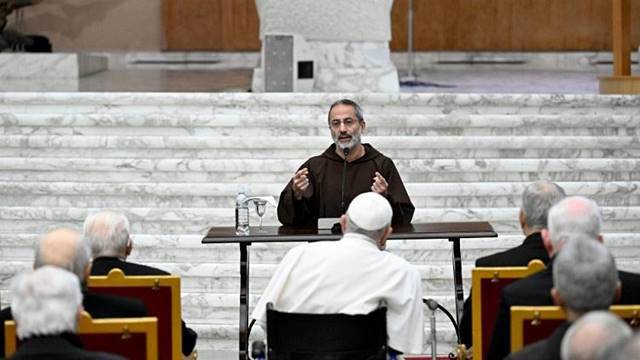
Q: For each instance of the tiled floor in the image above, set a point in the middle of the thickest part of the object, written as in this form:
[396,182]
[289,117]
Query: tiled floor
[500,80]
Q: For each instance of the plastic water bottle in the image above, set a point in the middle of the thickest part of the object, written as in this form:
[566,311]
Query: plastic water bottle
[242,213]
[258,350]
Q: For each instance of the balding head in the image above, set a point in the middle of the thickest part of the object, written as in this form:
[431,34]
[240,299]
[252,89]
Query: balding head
[65,249]
[575,215]
[592,335]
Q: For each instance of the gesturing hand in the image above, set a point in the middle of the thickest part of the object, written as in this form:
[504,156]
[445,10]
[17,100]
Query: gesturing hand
[301,185]
[380,184]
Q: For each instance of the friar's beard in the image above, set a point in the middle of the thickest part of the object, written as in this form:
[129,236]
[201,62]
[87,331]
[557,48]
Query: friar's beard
[355,140]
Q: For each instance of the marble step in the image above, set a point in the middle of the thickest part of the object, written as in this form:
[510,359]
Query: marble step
[212,195]
[446,172]
[300,154]
[187,248]
[304,124]
[49,144]
[281,103]
[199,220]
[268,169]
[224,337]
[221,279]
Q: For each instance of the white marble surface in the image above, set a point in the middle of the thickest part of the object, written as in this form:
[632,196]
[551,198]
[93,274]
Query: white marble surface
[569,60]
[94,103]
[349,41]
[49,66]
[348,20]
[173,162]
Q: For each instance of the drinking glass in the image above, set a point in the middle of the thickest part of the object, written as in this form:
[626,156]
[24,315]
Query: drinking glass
[261,208]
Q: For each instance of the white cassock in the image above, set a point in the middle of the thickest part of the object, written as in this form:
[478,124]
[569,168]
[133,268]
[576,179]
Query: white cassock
[350,276]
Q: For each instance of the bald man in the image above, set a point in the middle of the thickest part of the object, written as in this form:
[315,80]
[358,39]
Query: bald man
[65,249]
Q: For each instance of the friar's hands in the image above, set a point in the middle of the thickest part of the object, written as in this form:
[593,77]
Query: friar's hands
[301,185]
[380,184]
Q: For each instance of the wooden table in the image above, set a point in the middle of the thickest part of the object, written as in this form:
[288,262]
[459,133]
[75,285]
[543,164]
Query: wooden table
[454,231]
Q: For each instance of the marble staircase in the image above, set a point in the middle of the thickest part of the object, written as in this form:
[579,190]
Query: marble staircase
[173,163]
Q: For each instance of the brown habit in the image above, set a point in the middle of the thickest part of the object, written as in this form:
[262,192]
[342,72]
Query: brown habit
[325,175]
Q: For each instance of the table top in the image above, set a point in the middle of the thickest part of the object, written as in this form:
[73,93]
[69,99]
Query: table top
[424,231]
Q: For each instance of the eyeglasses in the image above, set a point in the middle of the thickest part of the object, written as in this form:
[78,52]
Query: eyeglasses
[348,122]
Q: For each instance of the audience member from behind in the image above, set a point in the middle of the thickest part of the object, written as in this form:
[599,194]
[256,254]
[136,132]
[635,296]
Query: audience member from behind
[585,279]
[63,248]
[537,199]
[46,304]
[625,350]
[108,234]
[352,276]
[570,217]
[593,335]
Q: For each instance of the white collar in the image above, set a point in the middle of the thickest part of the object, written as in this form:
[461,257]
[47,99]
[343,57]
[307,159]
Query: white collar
[359,238]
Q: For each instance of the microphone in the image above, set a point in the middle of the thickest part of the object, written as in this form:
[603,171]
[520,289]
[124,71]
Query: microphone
[432,305]
[346,152]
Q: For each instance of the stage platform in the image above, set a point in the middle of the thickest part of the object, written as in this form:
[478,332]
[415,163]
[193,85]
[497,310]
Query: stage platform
[439,72]
[171,151]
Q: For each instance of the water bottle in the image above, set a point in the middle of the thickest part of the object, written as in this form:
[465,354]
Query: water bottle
[258,350]
[242,213]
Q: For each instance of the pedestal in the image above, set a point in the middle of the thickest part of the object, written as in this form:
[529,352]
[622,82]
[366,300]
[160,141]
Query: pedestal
[349,40]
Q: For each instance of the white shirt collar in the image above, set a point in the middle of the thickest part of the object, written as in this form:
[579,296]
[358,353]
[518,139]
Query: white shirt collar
[359,238]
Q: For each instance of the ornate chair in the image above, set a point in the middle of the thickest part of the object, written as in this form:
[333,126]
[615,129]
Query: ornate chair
[326,336]
[160,294]
[532,323]
[133,338]
[487,284]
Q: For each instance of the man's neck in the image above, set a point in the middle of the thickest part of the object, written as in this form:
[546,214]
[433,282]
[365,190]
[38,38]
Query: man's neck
[356,153]
[528,231]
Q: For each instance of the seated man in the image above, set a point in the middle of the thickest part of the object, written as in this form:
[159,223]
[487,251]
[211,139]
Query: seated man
[537,199]
[593,335]
[625,350]
[568,218]
[352,276]
[46,305]
[64,248]
[108,235]
[585,279]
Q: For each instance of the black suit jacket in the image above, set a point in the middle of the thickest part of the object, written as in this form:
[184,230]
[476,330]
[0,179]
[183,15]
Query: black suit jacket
[531,248]
[535,290]
[102,266]
[110,306]
[65,346]
[547,349]
[97,305]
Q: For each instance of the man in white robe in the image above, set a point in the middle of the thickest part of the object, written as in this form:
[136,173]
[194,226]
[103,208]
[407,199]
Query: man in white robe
[352,276]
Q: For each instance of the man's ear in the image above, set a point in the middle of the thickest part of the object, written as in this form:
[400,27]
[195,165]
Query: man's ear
[129,246]
[87,271]
[522,219]
[382,243]
[343,223]
[557,299]
[618,293]
[546,241]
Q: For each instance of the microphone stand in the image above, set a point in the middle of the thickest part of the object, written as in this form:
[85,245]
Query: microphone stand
[433,306]
[461,350]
